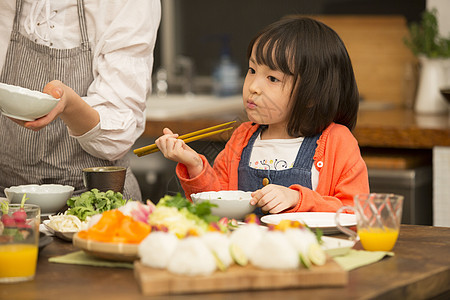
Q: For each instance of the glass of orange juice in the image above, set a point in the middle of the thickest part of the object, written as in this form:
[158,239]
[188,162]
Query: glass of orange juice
[378,218]
[19,240]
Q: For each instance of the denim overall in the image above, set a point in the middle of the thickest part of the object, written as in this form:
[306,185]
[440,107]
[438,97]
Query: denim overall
[250,179]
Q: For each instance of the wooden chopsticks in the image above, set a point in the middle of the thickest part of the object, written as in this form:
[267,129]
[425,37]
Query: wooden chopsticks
[189,137]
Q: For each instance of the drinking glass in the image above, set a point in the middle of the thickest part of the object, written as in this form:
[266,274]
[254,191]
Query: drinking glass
[19,241]
[378,219]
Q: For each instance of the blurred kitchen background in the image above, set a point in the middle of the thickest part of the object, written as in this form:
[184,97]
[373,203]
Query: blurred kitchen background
[200,63]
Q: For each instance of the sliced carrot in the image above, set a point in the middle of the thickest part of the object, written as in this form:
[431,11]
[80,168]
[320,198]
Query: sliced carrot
[115,227]
[133,231]
[104,229]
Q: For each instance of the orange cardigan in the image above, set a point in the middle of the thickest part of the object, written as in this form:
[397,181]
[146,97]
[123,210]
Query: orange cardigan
[342,171]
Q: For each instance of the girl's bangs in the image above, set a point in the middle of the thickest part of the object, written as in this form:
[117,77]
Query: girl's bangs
[274,52]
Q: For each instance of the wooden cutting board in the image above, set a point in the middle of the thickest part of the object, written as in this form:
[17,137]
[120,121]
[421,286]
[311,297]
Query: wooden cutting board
[154,282]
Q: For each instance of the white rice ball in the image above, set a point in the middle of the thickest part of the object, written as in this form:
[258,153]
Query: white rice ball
[220,244]
[192,258]
[157,249]
[247,237]
[301,239]
[274,251]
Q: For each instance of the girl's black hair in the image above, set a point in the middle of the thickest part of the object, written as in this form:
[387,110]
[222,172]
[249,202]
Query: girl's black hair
[324,86]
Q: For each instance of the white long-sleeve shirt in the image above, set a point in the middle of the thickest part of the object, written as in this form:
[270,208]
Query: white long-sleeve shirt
[122,35]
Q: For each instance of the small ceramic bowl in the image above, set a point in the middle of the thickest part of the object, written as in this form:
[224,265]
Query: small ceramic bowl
[24,104]
[231,204]
[105,178]
[51,198]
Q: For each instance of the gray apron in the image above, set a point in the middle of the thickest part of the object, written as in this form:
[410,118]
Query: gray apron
[49,155]
[250,179]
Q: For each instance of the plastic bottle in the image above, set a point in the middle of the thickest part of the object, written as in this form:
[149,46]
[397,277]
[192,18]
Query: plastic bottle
[226,79]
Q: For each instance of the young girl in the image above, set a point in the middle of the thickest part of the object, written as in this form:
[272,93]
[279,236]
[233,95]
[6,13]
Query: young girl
[297,152]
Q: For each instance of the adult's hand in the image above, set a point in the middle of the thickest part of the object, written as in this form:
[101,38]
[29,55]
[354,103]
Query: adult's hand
[57,90]
[71,108]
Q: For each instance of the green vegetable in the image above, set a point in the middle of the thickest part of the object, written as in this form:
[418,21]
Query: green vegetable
[305,261]
[220,265]
[94,202]
[201,210]
[319,234]
[181,216]
[317,255]
[238,255]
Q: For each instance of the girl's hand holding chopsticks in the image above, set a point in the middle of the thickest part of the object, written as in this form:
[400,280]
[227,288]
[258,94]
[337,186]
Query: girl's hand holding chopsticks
[174,147]
[177,150]
[189,137]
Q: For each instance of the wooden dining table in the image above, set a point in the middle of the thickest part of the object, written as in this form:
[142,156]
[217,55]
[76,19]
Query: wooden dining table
[420,269]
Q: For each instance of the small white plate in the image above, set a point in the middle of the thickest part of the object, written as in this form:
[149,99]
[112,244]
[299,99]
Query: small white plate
[336,247]
[323,220]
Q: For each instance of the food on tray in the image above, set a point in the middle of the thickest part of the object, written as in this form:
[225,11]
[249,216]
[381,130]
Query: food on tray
[192,257]
[238,255]
[186,239]
[157,249]
[219,244]
[317,255]
[288,245]
[247,237]
[180,216]
[274,251]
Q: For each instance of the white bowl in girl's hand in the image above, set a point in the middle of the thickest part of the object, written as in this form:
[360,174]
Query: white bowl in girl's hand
[231,204]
